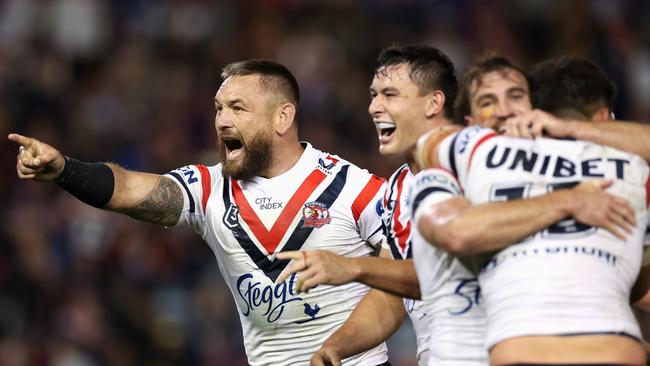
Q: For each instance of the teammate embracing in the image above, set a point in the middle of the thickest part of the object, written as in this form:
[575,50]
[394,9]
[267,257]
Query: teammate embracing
[541,310]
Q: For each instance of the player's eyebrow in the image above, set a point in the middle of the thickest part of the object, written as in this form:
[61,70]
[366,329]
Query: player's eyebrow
[235,101]
[385,90]
[230,102]
[517,89]
[482,97]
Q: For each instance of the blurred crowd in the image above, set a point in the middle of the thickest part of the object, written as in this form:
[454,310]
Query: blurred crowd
[132,81]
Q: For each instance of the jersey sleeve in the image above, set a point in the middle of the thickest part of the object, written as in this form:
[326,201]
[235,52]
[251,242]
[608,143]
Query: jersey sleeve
[431,186]
[456,151]
[367,210]
[196,182]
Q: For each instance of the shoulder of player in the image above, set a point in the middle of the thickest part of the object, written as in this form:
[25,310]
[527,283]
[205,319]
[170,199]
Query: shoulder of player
[206,174]
[358,180]
[331,161]
[465,139]
[435,178]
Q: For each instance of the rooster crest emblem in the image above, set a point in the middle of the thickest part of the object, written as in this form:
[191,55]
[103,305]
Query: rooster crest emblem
[315,214]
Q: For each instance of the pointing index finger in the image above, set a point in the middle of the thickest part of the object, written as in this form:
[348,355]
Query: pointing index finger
[22,140]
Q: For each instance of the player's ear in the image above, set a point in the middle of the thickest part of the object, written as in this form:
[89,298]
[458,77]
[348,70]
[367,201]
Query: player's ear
[284,118]
[435,103]
[470,121]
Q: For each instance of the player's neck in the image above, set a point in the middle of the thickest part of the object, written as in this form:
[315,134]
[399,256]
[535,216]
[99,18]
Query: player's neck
[413,166]
[439,121]
[285,156]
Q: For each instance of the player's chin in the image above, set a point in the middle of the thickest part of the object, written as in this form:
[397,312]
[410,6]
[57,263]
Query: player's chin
[233,167]
[389,150]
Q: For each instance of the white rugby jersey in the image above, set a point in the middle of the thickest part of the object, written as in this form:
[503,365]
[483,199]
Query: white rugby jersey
[322,202]
[397,230]
[450,292]
[569,278]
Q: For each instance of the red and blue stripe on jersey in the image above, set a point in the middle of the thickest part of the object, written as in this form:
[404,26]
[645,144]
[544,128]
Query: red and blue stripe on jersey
[300,234]
[271,239]
[397,222]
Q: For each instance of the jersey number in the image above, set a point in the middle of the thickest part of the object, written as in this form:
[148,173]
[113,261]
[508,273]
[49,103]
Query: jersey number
[565,229]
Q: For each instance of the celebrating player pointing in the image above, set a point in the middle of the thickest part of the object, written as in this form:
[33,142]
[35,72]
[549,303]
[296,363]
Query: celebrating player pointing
[271,193]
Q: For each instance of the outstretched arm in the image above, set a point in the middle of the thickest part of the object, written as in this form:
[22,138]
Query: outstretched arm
[377,316]
[148,197]
[318,267]
[628,136]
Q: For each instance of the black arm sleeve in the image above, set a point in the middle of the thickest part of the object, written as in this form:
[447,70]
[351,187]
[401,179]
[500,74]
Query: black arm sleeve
[92,183]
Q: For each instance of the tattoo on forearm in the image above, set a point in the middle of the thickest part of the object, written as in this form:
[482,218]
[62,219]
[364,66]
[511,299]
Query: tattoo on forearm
[162,206]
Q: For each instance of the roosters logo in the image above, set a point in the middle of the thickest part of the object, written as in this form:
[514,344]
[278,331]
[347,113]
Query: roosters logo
[315,214]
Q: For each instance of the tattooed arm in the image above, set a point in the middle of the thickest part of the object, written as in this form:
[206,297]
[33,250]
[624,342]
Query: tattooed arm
[148,197]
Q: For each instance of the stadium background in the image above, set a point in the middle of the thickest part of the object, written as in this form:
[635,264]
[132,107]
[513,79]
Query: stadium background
[132,81]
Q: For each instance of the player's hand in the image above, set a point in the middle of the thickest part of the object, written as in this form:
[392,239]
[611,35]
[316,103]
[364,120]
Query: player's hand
[317,267]
[535,123]
[326,356]
[593,206]
[37,160]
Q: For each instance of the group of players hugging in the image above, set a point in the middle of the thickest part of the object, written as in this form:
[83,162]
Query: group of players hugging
[513,234]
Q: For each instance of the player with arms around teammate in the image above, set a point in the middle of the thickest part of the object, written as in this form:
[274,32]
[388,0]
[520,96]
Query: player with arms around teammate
[540,310]
[495,225]
[271,193]
[569,94]
[576,91]
[449,291]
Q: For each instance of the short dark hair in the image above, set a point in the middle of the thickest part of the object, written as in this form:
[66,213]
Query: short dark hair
[273,75]
[430,70]
[488,62]
[571,87]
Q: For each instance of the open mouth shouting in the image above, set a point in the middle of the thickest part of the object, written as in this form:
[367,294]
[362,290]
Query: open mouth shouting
[386,130]
[234,147]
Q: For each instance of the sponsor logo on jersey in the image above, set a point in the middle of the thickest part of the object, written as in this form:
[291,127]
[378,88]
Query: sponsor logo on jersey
[311,311]
[327,163]
[502,156]
[271,299]
[265,203]
[466,296]
[188,172]
[551,250]
[315,214]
